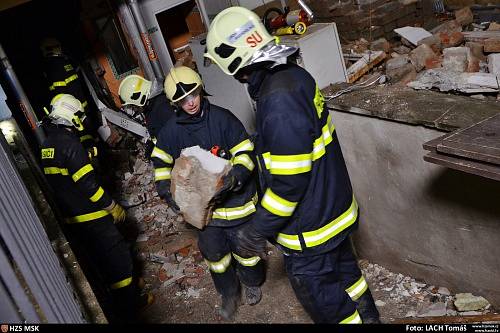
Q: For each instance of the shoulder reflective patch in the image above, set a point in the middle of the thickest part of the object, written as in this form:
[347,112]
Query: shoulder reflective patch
[47,153]
[319,102]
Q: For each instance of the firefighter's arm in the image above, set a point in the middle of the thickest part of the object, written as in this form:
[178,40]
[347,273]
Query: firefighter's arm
[288,139]
[84,177]
[163,163]
[241,150]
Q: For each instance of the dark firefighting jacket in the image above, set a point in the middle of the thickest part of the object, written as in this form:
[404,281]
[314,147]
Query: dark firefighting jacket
[67,168]
[63,78]
[308,204]
[215,127]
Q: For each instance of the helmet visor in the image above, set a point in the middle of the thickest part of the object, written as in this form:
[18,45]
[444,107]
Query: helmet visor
[189,97]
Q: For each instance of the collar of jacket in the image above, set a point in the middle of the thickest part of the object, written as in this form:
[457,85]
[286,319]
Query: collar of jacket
[184,118]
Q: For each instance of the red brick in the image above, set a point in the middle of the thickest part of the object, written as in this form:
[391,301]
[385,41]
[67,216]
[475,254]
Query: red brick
[433,63]
[464,16]
[163,275]
[492,45]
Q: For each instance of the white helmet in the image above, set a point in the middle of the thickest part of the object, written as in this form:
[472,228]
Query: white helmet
[66,110]
[134,89]
[234,36]
[180,82]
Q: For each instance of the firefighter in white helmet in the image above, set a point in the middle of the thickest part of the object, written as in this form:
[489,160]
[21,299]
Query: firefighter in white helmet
[135,94]
[308,209]
[90,212]
[199,123]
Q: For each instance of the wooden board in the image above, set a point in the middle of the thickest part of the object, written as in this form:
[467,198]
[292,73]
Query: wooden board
[477,168]
[479,142]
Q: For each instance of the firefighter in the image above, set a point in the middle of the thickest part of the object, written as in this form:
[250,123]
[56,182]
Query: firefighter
[90,211]
[199,123]
[308,209]
[63,78]
[135,92]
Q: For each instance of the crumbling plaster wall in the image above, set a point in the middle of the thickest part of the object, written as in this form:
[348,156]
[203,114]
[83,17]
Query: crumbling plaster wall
[417,218]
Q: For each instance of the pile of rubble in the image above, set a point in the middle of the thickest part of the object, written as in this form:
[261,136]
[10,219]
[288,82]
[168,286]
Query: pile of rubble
[399,296]
[457,55]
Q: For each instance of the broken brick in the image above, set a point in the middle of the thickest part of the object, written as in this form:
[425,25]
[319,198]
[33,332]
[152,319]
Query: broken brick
[464,16]
[452,39]
[163,275]
[421,55]
[492,45]
[433,63]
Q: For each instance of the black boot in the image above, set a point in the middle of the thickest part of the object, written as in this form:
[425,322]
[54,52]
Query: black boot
[229,307]
[367,309]
[253,295]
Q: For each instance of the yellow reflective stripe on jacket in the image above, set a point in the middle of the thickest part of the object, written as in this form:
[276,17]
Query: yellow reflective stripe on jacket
[277,205]
[319,102]
[221,265]
[98,195]
[63,83]
[244,160]
[357,289]
[234,213]
[87,217]
[290,164]
[294,164]
[162,174]
[326,137]
[323,234]
[245,145]
[248,262]
[121,284]
[352,319]
[157,152]
[86,137]
[289,241]
[55,171]
[82,172]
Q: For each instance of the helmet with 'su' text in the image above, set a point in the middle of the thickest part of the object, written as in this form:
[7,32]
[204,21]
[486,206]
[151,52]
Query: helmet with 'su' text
[234,36]
[180,82]
[66,110]
[134,89]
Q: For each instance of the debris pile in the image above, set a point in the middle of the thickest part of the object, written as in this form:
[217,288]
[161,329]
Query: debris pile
[399,296]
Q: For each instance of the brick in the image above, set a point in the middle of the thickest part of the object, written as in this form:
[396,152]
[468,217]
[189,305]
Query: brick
[448,27]
[433,63]
[370,5]
[399,73]
[420,55]
[464,16]
[381,44]
[492,45]
[476,49]
[494,26]
[452,39]
[434,42]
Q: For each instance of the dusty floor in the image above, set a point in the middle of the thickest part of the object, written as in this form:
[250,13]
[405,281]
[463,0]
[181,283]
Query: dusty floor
[176,274]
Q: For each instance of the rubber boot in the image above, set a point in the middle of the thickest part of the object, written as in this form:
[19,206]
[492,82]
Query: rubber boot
[253,295]
[229,307]
[367,309]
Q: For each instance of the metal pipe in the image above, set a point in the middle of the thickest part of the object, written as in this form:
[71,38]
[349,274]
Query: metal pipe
[146,40]
[128,21]
[20,96]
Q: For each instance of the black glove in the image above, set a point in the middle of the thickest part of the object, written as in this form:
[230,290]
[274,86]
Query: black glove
[229,182]
[171,203]
[249,242]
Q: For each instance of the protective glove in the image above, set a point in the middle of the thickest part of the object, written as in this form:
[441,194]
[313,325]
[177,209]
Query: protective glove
[117,212]
[230,183]
[171,203]
[249,242]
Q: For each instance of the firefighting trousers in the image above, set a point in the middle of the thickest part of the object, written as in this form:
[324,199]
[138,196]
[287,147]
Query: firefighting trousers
[330,285]
[111,257]
[227,267]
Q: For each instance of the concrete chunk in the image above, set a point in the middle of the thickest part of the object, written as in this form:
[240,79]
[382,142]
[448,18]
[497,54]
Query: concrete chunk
[494,63]
[433,310]
[413,34]
[196,177]
[469,302]
[455,59]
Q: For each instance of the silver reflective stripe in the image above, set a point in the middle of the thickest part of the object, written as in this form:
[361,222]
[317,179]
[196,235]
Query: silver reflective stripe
[248,262]
[158,153]
[221,265]
[352,319]
[357,289]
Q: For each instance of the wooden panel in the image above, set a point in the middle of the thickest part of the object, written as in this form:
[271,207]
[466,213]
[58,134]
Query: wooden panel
[478,142]
[477,168]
